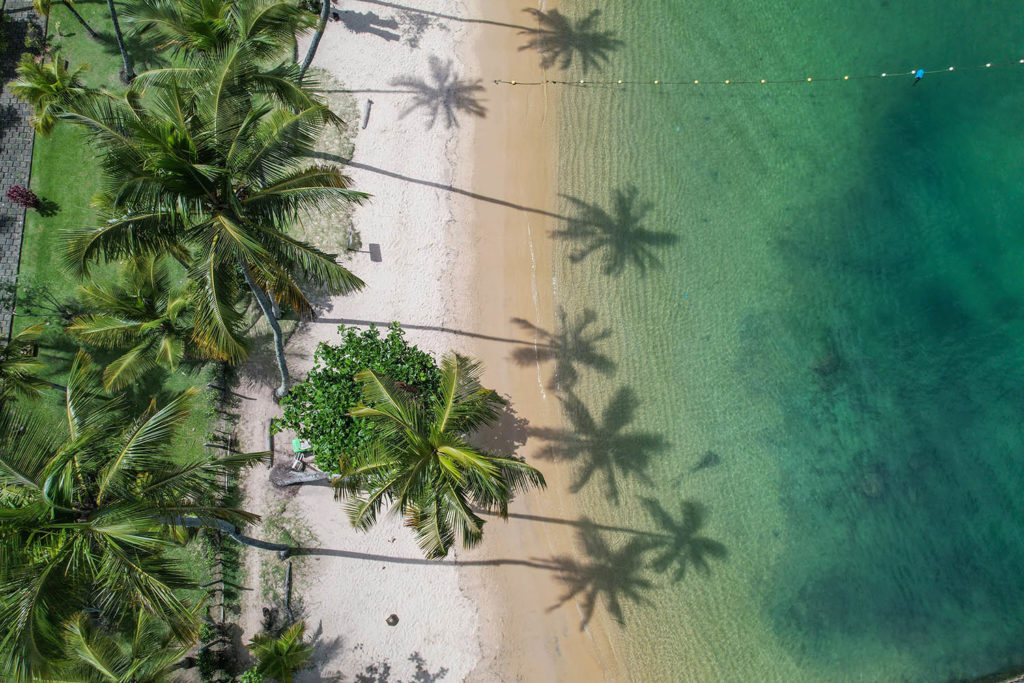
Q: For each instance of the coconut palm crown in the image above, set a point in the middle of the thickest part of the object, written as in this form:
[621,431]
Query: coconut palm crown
[211,164]
[145,313]
[210,26]
[86,514]
[49,87]
[422,464]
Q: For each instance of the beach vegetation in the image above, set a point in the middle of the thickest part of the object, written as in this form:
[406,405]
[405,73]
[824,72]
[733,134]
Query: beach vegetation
[421,464]
[318,407]
[148,314]
[49,86]
[20,366]
[279,657]
[213,171]
[92,508]
[190,28]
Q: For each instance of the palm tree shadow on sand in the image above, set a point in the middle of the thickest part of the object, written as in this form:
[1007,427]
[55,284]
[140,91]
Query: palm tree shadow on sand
[445,96]
[619,236]
[602,447]
[609,574]
[560,41]
[575,343]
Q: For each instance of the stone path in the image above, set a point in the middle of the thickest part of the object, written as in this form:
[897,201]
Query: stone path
[16,139]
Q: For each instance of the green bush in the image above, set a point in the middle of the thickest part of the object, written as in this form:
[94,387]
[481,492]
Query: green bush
[251,676]
[317,409]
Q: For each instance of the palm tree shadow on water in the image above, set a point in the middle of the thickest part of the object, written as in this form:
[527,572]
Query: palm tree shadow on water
[619,236]
[445,96]
[602,447]
[575,343]
[560,41]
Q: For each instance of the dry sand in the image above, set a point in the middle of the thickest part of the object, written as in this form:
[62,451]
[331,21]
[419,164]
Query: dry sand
[461,214]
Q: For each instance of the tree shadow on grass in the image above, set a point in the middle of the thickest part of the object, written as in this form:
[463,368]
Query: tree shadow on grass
[561,42]
[619,236]
[575,343]
[445,96]
[602,447]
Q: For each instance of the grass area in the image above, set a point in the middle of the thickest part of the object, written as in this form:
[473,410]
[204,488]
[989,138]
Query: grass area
[66,173]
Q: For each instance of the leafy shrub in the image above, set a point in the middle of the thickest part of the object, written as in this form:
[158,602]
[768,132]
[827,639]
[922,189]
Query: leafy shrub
[317,409]
[252,675]
[22,196]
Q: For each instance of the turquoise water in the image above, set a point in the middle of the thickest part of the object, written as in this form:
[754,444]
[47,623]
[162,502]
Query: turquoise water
[827,364]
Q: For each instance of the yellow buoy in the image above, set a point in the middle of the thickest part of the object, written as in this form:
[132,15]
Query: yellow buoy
[846,78]
[620,81]
[696,82]
[657,82]
[513,82]
[727,82]
[763,81]
[808,80]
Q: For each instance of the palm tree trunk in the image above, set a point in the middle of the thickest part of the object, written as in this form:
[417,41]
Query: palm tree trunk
[268,313]
[129,72]
[325,11]
[89,29]
[230,530]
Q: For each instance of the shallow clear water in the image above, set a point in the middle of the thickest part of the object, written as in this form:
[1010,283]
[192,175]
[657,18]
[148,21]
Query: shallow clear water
[827,363]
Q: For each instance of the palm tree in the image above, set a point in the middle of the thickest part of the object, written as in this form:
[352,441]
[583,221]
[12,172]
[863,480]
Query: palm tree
[321,25]
[128,71]
[146,652]
[422,464]
[558,40]
[19,365]
[88,510]
[281,656]
[49,87]
[43,7]
[214,173]
[144,312]
[209,27]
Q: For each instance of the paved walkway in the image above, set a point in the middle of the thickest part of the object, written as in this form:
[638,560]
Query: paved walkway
[16,139]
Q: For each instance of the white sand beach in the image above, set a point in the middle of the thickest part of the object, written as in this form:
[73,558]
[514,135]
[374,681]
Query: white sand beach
[459,263]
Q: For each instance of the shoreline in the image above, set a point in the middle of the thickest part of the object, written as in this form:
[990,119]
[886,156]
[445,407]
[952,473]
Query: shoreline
[529,632]
[462,214]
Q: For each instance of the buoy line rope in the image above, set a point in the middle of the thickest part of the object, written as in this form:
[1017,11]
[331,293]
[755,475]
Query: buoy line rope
[767,81]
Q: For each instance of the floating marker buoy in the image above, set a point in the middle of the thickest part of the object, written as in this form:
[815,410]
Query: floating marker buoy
[620,81]
[727,82]
[950,68]
[988,65]
[513,82]
[763,81]
[808,80]
[846,78]
[698,82]
[657,82]
[884,75]
[581,82]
